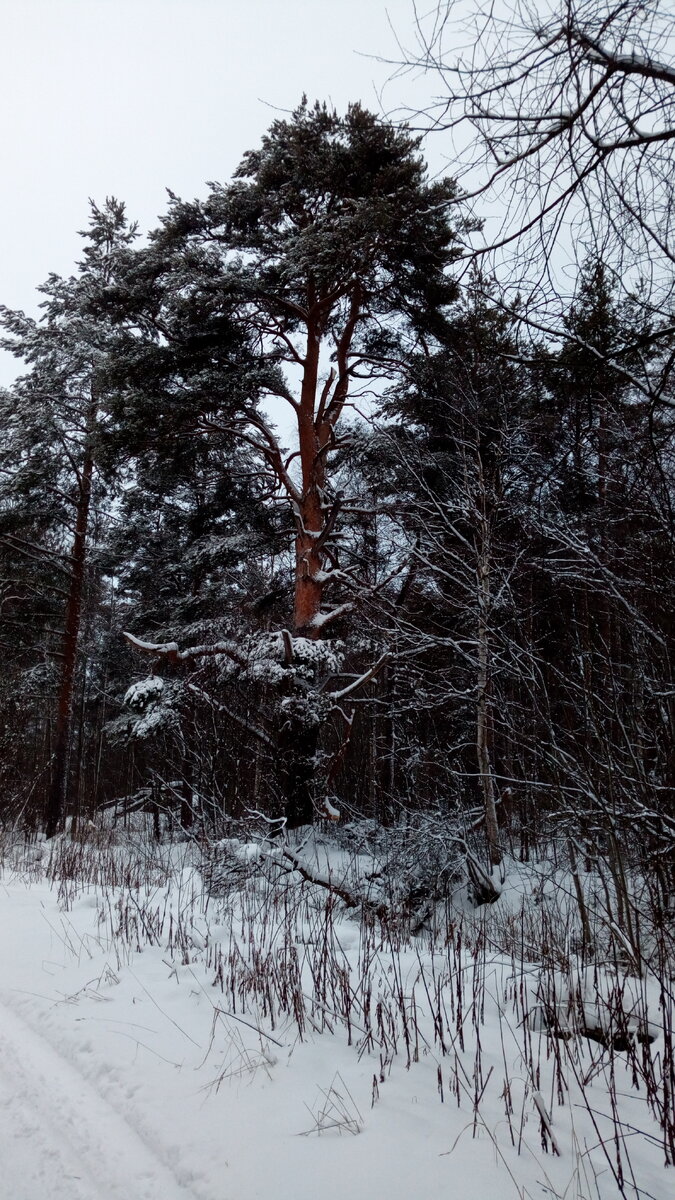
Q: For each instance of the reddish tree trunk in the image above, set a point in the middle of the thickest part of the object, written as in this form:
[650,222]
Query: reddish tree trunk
[311,515]
[318,412]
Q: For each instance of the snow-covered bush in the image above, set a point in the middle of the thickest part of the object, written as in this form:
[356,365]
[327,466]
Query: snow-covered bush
[149,708]
[414,864]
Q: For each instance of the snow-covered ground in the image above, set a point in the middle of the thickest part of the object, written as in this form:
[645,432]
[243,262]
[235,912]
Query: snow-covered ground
[143,1055]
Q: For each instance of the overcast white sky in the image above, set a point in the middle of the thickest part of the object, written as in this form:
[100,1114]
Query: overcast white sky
[128,97]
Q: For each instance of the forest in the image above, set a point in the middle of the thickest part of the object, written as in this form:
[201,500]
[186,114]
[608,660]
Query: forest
[447,606]
[337,598]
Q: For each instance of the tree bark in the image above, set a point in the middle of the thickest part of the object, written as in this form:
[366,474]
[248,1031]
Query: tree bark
[484,708]
[483,748]
[310,517]
[297,746]
[299,732]
[58,790]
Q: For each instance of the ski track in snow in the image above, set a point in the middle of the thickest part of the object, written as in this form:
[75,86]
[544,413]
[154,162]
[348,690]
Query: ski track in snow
[59,1138]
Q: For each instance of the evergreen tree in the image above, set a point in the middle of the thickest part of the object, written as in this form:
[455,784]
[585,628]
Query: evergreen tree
[606,615]
[55,415]
[463,450]
[330,250]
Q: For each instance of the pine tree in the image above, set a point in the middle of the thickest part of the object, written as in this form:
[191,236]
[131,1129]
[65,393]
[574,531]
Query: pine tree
[330,250]
[56,413]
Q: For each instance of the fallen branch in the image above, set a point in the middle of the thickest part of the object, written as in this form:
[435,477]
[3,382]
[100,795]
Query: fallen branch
[351,899]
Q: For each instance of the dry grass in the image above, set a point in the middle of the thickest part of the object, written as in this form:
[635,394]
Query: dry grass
[270,948]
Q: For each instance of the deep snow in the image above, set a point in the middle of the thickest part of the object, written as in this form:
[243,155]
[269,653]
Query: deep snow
[121,1075]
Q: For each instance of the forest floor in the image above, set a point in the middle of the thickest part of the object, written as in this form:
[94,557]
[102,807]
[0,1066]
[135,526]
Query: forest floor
[156,1044]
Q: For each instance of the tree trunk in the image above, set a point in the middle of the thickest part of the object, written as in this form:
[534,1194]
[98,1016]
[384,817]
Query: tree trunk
[187,815]
[483,749]
[297,747]
[58,791]
[299,729]
[310,517]
[484,708]
[317,413]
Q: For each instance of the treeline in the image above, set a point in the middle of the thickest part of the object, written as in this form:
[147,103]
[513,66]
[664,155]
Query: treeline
[450,601]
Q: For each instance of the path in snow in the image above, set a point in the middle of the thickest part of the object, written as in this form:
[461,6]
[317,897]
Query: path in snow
[59,1138]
